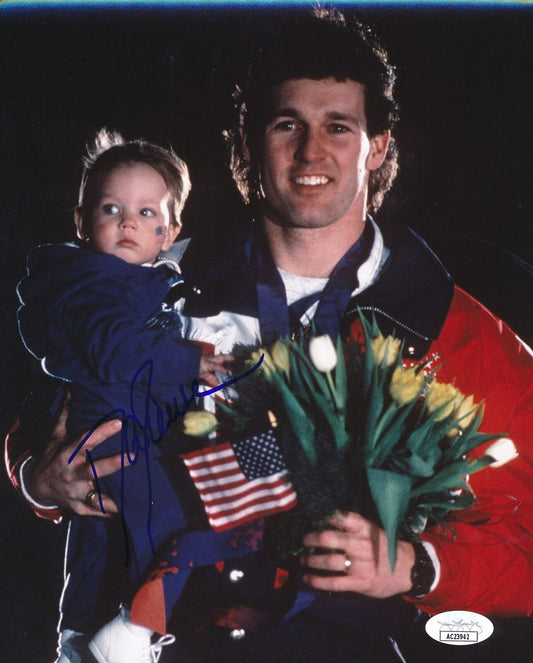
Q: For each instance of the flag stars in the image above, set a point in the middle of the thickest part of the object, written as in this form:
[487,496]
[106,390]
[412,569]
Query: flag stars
[259,455]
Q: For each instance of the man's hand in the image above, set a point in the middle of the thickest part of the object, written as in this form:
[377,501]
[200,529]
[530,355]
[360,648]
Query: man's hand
[358,549]
[51,480]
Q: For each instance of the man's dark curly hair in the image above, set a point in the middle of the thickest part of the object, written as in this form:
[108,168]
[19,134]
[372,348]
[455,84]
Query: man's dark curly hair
[318,44]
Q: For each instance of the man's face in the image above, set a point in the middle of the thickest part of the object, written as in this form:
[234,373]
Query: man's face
[316,154]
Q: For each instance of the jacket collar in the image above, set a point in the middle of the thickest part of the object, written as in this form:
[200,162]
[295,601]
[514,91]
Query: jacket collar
[410,294]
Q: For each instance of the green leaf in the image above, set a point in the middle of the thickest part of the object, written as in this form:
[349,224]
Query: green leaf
[391,493]
[300,388]
[314,380]
[388,432]
[448,477]
[446,500]
[375,403]
[234,414]
[414,465]
[427,435]
[336,424]
[469,441]
[340,377]
[299,421]
[479,464]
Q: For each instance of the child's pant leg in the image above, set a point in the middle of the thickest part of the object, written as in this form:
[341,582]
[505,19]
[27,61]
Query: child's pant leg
[95,577]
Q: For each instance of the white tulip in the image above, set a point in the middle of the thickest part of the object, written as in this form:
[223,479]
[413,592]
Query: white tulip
[503,450]
[323,353]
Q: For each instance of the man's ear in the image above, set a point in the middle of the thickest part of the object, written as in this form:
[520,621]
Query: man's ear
[378,150]
[173,230]
[78,220]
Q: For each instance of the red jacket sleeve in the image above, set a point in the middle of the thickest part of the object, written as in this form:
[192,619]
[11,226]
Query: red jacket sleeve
[487,560]
[15,452]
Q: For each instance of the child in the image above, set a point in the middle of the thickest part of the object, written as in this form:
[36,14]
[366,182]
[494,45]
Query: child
[102,316]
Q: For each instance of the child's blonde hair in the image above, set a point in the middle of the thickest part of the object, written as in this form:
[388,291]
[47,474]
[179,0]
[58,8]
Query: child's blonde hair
[109,150]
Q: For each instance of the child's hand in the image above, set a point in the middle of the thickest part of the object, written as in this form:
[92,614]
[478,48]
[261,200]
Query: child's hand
[210,365]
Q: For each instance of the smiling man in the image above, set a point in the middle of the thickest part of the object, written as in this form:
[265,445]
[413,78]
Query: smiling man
[312,152]
[315,163]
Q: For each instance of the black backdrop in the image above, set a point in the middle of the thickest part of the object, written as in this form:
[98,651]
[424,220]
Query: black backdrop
[465,139]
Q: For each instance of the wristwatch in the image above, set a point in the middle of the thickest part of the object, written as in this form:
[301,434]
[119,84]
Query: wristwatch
[422,573]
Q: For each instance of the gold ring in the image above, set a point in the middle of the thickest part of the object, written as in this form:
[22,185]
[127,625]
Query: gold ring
[92,499]
[347,563]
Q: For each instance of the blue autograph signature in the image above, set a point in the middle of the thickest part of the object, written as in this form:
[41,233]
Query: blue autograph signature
[144,425]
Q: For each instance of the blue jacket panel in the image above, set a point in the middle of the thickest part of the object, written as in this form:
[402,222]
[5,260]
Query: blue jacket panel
[93,320]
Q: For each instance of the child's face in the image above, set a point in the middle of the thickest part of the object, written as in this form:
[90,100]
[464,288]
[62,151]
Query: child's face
[130,217]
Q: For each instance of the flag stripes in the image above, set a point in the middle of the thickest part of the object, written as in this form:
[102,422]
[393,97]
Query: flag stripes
[231,497]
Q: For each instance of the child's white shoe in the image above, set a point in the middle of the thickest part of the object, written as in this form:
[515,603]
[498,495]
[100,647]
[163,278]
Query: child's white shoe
[122,641]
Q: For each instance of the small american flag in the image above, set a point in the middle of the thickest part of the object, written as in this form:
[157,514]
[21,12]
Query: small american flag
[241,481]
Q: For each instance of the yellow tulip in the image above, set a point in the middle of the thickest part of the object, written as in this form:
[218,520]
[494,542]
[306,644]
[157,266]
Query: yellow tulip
[444,397]
[464,412]
[406,385]
[386,349]
[267,366]
[281,357]
[199,424]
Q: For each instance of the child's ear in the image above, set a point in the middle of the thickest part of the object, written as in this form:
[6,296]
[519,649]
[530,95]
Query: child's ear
[78,220]
[173,230]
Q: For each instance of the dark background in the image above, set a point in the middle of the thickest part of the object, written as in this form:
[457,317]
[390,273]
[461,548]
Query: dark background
[465,89]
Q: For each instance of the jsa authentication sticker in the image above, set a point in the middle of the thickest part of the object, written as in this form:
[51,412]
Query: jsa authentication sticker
[459,627]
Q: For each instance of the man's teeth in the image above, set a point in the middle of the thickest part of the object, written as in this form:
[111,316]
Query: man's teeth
[311,180]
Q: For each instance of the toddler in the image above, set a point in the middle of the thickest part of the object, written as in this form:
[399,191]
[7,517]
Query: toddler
[103,316]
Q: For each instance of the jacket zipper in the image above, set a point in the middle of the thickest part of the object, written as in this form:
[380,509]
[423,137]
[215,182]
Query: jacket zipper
[389,317]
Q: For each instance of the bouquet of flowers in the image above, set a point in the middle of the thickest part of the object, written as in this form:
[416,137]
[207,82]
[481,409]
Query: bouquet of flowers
[360,431]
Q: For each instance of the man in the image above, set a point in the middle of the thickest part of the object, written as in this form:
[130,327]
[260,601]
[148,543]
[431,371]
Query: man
[312,151]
